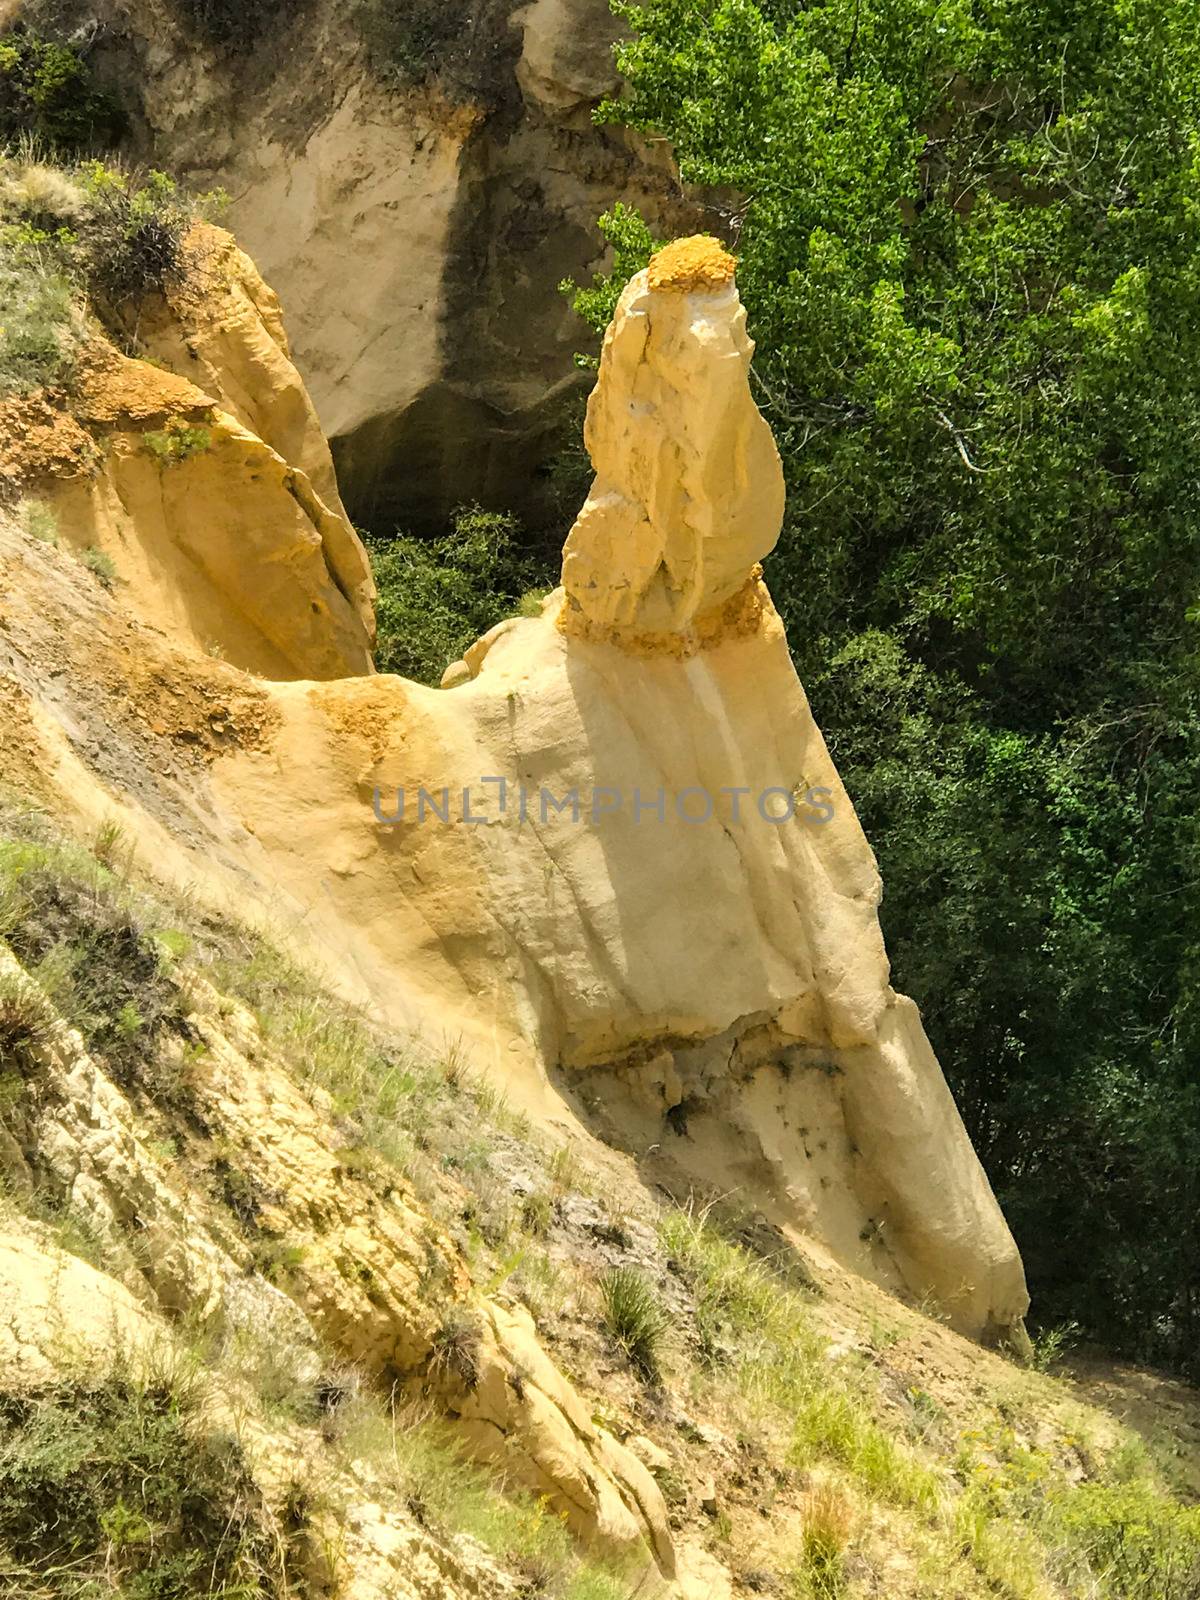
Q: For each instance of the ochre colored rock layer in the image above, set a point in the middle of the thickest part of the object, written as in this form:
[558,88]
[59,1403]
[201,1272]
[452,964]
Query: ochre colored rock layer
[690,265]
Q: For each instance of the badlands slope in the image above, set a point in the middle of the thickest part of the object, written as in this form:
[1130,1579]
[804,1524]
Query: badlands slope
[343,1083]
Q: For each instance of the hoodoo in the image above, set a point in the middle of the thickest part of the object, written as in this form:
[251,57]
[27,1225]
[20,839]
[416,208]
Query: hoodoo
[637,870]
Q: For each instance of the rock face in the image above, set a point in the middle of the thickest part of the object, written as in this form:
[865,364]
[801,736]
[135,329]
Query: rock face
[365,1252]
[206,480]
[416,230]
[616,859]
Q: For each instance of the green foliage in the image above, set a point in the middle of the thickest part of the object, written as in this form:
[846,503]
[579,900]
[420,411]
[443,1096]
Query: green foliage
[135,231]
[68,920]
[36,519]
[632,245]
[1128,1539]
[635,1316]
[77,237]
[826,1522]
[100,563]
[970,252]
[40,329]
[46,94]
[178,441]
[438,596]
[119,1488]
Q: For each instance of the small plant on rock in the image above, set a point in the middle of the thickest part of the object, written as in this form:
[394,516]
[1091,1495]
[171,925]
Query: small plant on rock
[827,1519]
[456,1348]
[100,564]
[35,518]
[134,232]
[177,442]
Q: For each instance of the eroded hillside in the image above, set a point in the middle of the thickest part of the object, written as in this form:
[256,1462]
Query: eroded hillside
[463,1195]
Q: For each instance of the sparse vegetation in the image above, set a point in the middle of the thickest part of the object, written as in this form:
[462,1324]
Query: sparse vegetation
[36,519]
[998,1509]
[100,564]
[72,923]
[122,1488]
[178,441]
[826,1523]
[237,24]
[408,44]
[40,325]
[635,1317]
[80,238]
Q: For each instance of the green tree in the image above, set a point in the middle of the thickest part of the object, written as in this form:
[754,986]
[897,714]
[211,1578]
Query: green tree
[46,93]
[969,243]
[437,596]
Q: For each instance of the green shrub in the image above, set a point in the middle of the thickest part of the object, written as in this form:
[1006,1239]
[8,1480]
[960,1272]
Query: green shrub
[177,442]
[1127,1540]
[635,1317]
[120,1489]
[40,326]
[134,232]
[101,564]
[35,518]
[66,920]
[438,596]
[46,94]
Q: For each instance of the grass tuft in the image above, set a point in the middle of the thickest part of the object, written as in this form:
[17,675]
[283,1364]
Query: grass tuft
[635,1317]
[826,1524]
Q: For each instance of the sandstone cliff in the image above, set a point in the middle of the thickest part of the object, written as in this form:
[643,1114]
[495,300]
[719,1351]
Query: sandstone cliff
[416,223]
[709,990]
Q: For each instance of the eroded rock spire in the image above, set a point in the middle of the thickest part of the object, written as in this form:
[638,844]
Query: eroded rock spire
[688,494]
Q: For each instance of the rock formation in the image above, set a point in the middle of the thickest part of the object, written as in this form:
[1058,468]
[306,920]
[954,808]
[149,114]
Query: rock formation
[208,485]
[689,490]
[615,858]
[416,228]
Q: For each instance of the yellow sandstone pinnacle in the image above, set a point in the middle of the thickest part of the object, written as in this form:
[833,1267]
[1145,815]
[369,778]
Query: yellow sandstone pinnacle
[688,494]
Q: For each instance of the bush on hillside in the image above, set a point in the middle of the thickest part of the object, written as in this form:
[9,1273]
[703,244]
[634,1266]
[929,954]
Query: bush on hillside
[40,325]
[134,232]
[118,1488]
